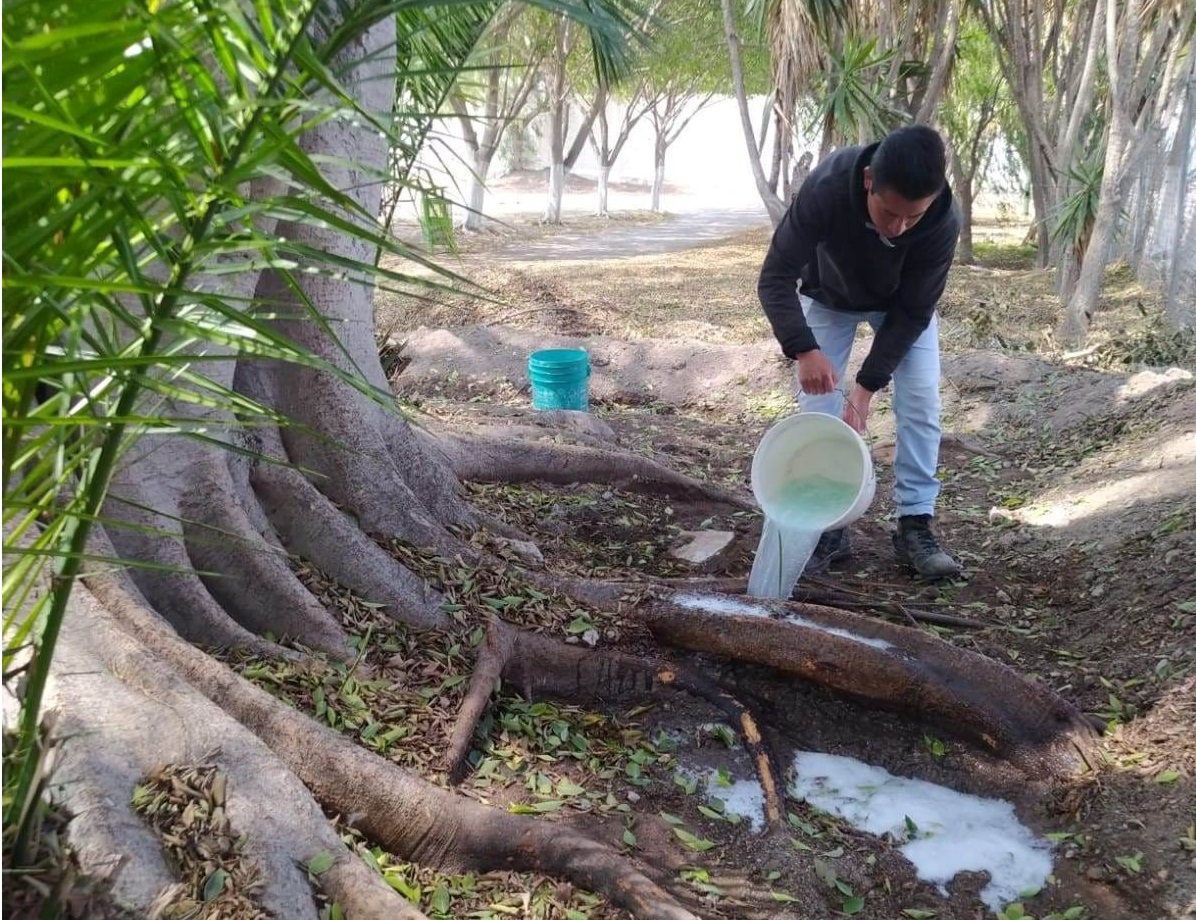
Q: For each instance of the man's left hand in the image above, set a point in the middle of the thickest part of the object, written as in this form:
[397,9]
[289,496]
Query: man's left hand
[856,408]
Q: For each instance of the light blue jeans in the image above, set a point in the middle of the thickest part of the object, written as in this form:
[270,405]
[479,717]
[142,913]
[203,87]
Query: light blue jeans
[916,401]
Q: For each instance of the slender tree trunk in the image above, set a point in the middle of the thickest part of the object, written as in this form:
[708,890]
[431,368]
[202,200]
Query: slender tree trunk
[1179,166]
[964,190]
[778,151]
[658,172]
[603,190]
[774,205]
[557,125]
[477,189]
[1121,45]
[944,57]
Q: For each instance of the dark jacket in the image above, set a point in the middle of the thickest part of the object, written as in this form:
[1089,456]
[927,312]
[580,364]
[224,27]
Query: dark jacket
[824,241]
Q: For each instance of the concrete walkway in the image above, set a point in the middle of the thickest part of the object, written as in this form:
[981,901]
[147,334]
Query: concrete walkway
[680,231]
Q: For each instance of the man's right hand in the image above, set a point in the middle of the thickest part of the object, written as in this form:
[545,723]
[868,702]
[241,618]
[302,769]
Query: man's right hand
[815,374]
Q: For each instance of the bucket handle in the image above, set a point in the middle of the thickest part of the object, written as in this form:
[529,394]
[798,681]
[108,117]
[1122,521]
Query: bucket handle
[847,403]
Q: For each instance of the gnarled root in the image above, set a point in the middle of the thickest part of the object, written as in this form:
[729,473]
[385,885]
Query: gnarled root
[889,666]
[541,666]
[400,811]
[106,689]
[480,458]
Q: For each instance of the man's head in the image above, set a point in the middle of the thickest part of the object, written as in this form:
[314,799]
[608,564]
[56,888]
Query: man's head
[907,172]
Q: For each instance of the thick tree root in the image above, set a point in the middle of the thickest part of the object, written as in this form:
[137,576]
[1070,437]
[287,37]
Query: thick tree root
[251,579]
[540,666]
[398,810]
[479,458]
[313,529]
[176,505]
[107,688]
[890,666]
[192,610]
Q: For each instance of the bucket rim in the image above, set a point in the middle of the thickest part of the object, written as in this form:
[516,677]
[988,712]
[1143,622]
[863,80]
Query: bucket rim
[559,355]
[777,429]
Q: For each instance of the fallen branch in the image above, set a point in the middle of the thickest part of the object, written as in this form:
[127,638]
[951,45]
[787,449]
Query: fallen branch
[913,615]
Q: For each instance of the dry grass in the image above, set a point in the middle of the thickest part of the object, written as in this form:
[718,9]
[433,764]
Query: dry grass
[708,294]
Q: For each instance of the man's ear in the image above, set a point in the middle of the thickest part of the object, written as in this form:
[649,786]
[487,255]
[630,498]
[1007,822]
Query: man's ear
[867,178]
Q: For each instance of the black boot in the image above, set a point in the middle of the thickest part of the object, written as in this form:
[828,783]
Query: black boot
[915,546]
[832,546]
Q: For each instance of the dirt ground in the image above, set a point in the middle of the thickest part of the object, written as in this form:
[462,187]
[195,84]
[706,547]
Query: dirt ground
[1069,493]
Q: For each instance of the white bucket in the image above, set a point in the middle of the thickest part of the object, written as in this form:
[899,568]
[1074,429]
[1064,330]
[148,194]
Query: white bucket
[813,471]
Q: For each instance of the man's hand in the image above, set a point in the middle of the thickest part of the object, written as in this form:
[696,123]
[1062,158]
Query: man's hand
[855,411]
[815,374]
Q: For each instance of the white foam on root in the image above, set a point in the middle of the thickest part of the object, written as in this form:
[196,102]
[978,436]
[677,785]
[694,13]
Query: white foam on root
[946,832]
[715,603]
[841,633]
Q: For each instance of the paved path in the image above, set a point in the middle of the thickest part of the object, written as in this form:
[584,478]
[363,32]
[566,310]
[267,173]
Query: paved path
[681,231]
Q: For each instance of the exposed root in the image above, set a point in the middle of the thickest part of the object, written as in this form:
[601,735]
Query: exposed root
[362,893]
[892,667]
[312,528]
[488,667]
[107,688]
[362,457]
[858,601]
[540,666]
[484,459]
[251,579]
[399,810]
[185,603]
[702,584]
[599,438]
[749,732]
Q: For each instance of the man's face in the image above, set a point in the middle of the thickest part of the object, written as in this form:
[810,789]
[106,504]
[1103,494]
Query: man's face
[889,212]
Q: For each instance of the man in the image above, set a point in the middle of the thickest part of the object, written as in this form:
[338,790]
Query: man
[870,237]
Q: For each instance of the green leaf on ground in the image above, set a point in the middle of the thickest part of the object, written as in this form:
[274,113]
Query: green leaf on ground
[694,842]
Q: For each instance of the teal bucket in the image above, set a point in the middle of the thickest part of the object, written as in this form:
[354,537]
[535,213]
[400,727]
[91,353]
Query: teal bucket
[560,379]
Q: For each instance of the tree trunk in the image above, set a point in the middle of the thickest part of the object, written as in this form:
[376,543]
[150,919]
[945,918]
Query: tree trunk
[556,193]
[963,194]
[558,114]
[945,50]
[1177,190]
[603,191]
[774,205]
[658,174]
[477,190]
[1121,49]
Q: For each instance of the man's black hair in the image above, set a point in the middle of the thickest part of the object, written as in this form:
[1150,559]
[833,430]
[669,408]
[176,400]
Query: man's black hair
[912,162]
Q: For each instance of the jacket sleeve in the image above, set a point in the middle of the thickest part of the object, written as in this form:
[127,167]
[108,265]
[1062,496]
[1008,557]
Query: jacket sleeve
[792,249]
[923,278]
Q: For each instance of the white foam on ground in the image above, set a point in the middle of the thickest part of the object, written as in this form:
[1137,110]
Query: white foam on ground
[743,797]
[951,833]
